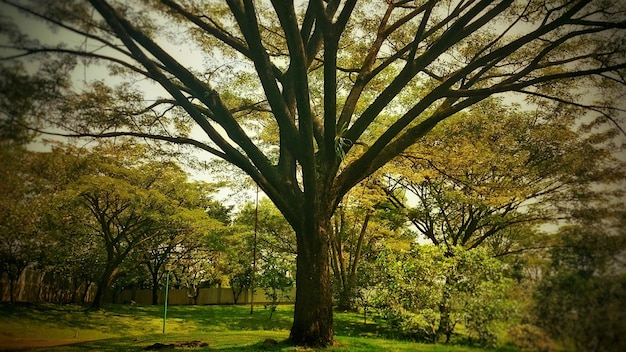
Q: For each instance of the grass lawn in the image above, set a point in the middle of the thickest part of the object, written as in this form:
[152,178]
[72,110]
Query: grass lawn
[223,328]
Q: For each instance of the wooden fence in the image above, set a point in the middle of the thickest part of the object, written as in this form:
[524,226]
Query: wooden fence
[210,295]
[34,286]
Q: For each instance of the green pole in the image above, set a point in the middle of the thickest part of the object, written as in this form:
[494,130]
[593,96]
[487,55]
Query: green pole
[167,289]
[256,225]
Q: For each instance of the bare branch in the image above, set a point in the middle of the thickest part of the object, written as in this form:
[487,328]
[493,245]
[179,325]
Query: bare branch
[91,55]
[595,108]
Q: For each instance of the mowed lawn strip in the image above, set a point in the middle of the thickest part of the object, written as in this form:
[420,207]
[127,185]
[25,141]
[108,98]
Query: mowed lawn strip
[133,328]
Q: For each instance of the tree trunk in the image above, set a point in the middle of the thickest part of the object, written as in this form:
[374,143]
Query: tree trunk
[445,323]
[109,276]
[236,293]
[347,277]
[11,290]
[14,278]
[313,315]
[83,299]
[155,288]
[98,298]
[155,295]
[75,290]
[40,287]
[345,298]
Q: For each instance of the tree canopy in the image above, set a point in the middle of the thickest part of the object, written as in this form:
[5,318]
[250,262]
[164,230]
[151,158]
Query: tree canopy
[499,170]
[130,206]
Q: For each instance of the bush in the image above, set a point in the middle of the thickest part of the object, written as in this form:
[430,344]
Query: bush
[427,292]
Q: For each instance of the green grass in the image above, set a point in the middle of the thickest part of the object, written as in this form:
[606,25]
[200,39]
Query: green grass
[224,328]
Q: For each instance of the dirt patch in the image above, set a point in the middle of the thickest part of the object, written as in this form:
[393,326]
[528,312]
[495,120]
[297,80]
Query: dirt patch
[16,344]
[188,344]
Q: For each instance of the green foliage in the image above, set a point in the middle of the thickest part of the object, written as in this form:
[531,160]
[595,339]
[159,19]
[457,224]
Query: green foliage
[428,292]
[275,251]
[29,182]
[25,98]
[581,301]
[363,222]
[111,210]
[585,313]
[275,278]
[490,174]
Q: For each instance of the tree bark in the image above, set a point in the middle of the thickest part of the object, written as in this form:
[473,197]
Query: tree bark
[236,293]
[14,277]
[313,315]
[11,290]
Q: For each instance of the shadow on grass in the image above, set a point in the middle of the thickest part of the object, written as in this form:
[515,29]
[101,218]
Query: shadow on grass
[125,319]
[79,318]
[229,318]
[259,344]
[211,342]
[224,328]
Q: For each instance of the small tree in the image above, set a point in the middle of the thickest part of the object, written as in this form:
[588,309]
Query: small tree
[425,293]
[276,280]
[239,277]
[363,221]
[189,235]
[275,247]
[196,269]
[238,260]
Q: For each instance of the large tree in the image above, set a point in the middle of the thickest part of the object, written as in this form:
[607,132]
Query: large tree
[322,77]
[29,181]
[476,180]
[125,202]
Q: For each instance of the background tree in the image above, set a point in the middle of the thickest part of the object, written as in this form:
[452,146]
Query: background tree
[196,269]
[275,278]
[190,231]
[363,221]
[414,284]
[238,269]
[18,245]
[75,261]
[580,300]
[29,181]
[121,200]
[323,77]
[275,249]
[489,177]
[274,235]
